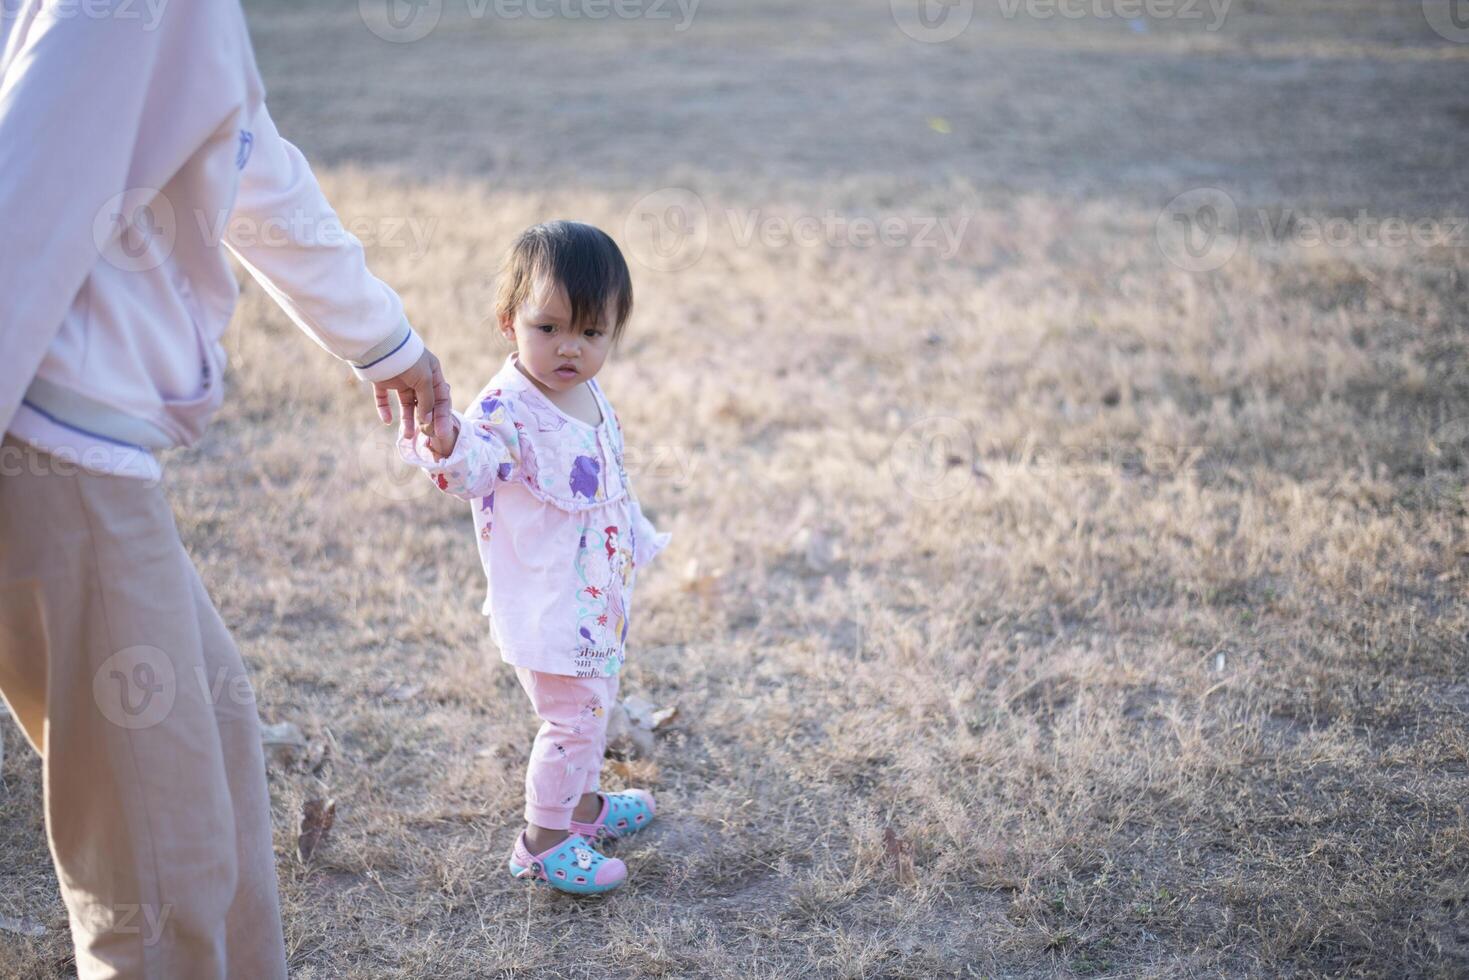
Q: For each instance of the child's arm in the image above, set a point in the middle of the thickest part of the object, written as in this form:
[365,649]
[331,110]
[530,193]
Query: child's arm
[485,450]
[647,541]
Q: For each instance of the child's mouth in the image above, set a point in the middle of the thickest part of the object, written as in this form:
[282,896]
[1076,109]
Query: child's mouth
[566,372]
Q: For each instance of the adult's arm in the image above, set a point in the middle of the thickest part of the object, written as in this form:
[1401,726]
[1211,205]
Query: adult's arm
[286,234]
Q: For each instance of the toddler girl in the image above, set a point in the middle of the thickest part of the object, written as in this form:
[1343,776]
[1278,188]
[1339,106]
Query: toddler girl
[540,458]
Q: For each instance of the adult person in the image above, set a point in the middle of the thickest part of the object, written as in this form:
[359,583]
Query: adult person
[135,148]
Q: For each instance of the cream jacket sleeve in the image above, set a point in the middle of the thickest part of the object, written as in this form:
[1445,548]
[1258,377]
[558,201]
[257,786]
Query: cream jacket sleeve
[289,238]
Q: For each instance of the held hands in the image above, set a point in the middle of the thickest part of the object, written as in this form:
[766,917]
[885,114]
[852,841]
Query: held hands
[422,394]
[437,447]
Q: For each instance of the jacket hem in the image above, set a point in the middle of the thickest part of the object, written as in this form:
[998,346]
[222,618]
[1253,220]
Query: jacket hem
[85,416]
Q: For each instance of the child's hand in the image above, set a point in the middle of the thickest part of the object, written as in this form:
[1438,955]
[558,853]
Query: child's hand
[440,451]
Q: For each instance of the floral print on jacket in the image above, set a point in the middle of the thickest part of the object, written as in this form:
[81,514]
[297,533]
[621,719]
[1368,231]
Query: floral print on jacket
[560,534]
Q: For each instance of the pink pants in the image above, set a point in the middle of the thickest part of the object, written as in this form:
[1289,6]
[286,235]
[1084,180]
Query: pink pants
[566,759]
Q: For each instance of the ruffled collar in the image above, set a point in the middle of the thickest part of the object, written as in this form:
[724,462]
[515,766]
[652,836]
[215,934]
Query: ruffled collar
[511,378]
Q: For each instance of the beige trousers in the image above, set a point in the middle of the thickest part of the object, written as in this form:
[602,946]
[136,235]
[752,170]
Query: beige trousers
[125,680]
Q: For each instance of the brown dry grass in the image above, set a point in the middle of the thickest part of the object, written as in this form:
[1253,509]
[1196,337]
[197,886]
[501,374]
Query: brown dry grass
[1146,658]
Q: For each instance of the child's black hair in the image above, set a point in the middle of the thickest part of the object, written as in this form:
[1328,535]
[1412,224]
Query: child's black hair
[582,258]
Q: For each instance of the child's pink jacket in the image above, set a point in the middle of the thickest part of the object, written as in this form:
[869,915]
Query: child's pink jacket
[560,534]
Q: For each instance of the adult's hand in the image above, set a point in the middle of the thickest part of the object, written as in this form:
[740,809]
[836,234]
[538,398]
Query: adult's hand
[423,395]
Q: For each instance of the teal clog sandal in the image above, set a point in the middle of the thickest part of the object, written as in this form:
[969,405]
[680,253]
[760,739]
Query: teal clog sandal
[572,866]
[622,814]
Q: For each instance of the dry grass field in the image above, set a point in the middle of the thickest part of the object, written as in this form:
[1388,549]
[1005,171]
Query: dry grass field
[1036,606]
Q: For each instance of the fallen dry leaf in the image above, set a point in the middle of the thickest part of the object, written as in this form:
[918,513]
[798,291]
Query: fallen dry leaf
[632,723]
[900,852]
[645,714]
[634,772]
[317,817]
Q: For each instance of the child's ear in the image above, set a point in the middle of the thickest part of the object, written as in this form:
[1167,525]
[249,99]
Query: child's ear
[507,326]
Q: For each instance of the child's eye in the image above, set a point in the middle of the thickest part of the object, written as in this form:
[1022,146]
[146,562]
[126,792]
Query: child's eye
[546,328]
[594,333]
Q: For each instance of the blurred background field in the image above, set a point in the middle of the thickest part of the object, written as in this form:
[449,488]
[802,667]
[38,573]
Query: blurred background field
[1071,582]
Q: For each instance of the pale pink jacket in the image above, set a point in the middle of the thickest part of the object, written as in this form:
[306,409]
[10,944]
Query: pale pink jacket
[559,532]
[135,151]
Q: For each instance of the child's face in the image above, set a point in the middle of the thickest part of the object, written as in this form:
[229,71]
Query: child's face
[541,332]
